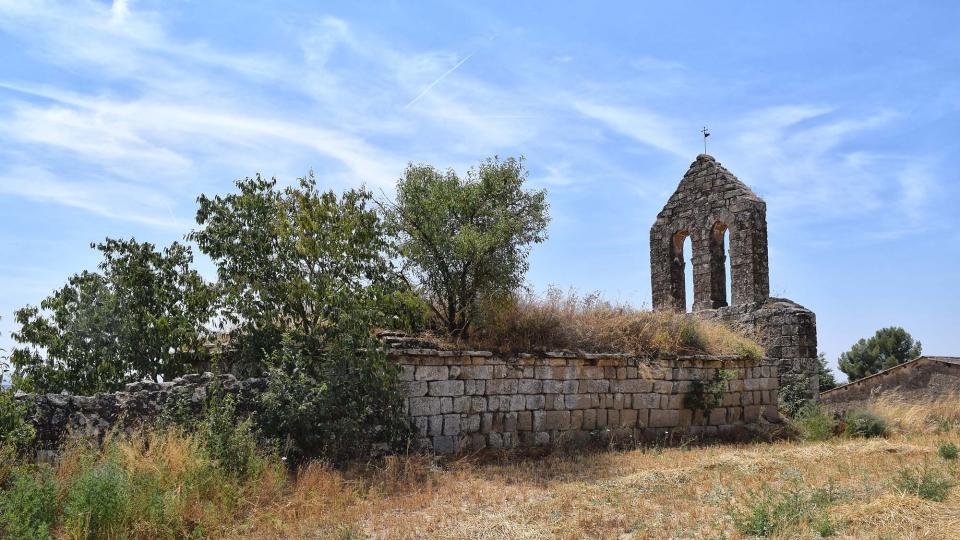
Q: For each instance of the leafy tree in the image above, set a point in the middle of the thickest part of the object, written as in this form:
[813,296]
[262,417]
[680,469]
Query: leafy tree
[887,348]
[296,261]
[465,239]
[305,276]
[827,380]
[142,315]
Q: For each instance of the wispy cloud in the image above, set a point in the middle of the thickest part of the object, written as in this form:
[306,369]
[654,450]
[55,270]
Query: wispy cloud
[644,126]
[437,81]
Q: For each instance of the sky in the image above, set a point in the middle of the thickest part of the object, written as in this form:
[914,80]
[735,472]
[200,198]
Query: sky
[843,116]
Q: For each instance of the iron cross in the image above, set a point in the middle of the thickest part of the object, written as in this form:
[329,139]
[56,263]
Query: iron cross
[706,134]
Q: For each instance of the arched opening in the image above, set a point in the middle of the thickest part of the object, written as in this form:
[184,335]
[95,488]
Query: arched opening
[728,284]
[719,276]
[680,284]
[688,277]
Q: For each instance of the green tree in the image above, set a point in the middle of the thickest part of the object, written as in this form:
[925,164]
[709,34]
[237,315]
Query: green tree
[465,239]
[296,261]
[142,315]
[887,348]
[827,380]
[304,277]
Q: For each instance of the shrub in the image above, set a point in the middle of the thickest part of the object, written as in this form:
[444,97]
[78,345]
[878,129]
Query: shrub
[97,503]
[926,483]
[793,397]
[558,320]
[771,511]
[813,423]
[864,424]
[343,405]
[28,506]
[229,439]
[705,396]
[947,451]
[15,432]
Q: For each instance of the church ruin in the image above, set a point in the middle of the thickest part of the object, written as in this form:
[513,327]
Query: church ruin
[709,204]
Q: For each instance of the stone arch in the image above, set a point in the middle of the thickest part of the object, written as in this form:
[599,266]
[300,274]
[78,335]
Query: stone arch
[678,278]
[718,265]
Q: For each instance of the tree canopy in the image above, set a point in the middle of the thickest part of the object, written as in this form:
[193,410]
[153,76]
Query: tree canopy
[887,348]
[466,238]
[295,260]
[142,315]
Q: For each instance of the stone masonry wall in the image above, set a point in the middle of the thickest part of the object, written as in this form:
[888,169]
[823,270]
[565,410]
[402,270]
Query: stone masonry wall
[785,329]
[470,400]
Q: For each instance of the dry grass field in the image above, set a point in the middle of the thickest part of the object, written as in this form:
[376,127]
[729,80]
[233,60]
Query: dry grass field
[898,486]
[843,487]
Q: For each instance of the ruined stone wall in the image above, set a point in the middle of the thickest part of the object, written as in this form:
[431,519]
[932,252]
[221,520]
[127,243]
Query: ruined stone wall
[61,415]
[470,400]
[785,329]
[923,379]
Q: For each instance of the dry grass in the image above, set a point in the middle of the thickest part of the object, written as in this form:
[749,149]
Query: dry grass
[589,323]
[643,493]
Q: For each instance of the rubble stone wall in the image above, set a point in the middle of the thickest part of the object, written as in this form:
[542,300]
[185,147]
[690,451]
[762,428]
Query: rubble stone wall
[469,400]
[57,416]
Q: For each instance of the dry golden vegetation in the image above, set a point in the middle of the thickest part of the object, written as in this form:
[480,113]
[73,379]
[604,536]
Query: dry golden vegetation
[589,323]
[843,487]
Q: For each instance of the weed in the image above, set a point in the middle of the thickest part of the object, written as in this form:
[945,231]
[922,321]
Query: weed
[926,483]
[771,511]
[947,451]
[98,500]
[28,506]
[813,423]
[864,424]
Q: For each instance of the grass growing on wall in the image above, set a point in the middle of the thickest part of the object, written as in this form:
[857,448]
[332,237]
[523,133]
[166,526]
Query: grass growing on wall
[559,320]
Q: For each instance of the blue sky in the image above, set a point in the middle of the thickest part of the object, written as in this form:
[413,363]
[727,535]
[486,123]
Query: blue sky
[843,116]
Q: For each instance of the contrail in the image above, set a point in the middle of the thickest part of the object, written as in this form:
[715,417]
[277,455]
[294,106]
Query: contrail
[436,82]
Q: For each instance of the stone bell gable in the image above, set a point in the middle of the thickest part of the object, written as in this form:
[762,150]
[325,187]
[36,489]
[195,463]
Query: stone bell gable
[709,203]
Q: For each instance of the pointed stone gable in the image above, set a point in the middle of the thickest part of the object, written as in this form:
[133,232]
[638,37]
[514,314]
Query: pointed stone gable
[709,203]
[706,177]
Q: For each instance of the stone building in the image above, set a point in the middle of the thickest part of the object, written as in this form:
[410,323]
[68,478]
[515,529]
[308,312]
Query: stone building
[710,204]
[922,379]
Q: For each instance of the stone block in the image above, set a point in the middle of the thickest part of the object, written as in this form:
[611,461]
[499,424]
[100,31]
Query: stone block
[663,387]
[501,386]
[664,418]
[431,373]
[552,387]
[535,402]
[474,387]
[613,418]
[576,419]
[424,406]
[446,388]
[597,386]
[577,401]
[436,425]
[634,386]
[628,418]
[413,388]
[470,423]
[556,420]
[524,421]
[451,424]
[589,419]
[718,416]
[407,372]
[530,386]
